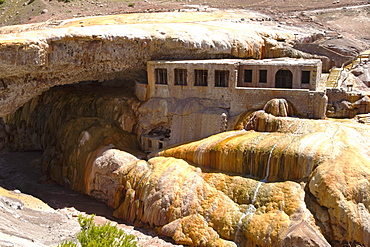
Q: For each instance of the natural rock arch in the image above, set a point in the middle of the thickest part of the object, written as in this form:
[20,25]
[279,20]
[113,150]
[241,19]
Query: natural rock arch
[34,60]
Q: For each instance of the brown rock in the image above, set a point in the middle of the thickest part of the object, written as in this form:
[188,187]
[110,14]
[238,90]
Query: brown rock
[302,234]
[279,108]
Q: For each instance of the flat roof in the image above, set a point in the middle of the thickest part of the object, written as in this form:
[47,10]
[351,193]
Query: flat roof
[204,61]
[281,61]
[272,61]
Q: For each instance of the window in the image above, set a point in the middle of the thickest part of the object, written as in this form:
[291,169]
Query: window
[200,77]
[248,75]
[263,76]
[181,77]
[306,77]
[221,78]
[160,76]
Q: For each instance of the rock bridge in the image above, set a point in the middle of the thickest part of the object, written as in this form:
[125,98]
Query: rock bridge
[35,58]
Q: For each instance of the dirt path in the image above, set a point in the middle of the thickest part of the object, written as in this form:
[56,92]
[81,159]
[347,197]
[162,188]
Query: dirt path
[17,175]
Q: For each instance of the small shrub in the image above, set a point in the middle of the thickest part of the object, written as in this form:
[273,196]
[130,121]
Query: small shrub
[93,235]
[131,5]
[68,244]
[2,1]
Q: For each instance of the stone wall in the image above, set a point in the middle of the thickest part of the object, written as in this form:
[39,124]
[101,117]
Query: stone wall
[295,66]
[346,104]
[336,59]
[308,104]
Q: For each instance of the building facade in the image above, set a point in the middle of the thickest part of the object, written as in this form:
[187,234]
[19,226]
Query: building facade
[237,85]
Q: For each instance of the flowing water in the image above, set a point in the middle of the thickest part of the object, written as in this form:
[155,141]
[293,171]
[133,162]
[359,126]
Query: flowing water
[251,209]
[269,162]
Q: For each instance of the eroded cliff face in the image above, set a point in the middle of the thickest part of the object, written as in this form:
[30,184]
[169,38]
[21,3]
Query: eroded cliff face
[35,58]
[285,181]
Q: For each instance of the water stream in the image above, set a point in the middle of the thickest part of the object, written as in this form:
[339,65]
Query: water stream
[268,163]
[251,209]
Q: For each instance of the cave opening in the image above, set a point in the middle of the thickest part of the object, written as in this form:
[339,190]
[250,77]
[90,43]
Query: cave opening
[30,150]
[34,125]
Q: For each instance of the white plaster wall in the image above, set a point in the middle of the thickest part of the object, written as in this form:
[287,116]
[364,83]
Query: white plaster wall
[195,126]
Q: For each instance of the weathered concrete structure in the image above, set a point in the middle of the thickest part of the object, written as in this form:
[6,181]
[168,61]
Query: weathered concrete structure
[235,85]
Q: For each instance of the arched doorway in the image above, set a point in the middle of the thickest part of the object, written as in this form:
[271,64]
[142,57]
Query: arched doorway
[284,79]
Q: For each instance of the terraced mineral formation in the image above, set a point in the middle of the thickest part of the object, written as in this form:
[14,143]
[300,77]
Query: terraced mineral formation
[285,181]
[332,156]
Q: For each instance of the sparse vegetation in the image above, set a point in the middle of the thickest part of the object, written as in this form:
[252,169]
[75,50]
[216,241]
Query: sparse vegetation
[2,1]
[93,235]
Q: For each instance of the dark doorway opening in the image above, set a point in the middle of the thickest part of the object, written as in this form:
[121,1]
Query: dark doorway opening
[284,79]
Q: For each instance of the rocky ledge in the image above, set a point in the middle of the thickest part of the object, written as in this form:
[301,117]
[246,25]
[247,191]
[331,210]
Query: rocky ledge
[39,56]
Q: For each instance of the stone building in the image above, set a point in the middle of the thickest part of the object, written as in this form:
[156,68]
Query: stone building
[236,85]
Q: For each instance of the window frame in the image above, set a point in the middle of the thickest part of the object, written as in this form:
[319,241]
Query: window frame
[201,77]
[306,77]
[262,76]
[222,78]
[181,77]
[250,76]
[160,76]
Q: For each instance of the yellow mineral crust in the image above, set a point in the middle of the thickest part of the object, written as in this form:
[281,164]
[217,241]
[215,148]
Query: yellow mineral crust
[202,209]
[28,200]
[165,17]
[342,186]
[266,156]
[333,156]
[290,149]
[184,198]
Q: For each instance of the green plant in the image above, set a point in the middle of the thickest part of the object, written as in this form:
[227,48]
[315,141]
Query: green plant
[2,1]
[131,4]
[68,244]
[106,235]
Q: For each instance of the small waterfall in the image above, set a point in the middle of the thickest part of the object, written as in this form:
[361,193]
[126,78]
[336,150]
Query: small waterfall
[268,163]
[256,192]
[250,123]
[251,209]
